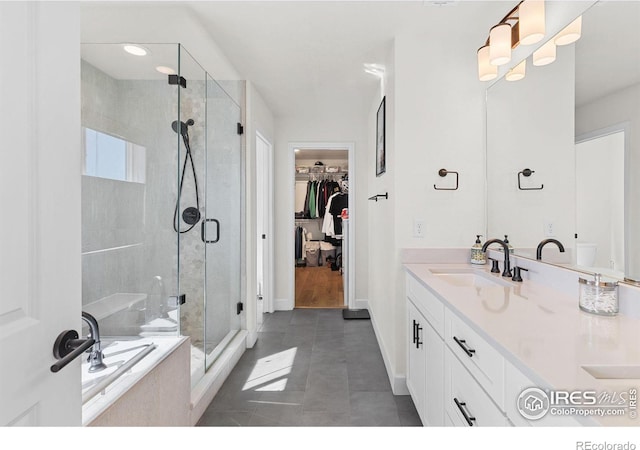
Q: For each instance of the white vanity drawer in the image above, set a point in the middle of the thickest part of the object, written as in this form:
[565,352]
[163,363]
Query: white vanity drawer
[515,383]
[466,403]
[484,362]
[428,304]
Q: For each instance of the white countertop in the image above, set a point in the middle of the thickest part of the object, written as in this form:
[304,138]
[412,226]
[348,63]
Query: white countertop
[542,331]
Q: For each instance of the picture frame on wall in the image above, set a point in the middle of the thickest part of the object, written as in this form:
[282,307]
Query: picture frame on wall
[381,160]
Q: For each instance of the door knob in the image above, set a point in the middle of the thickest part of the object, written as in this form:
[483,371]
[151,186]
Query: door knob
[68,347]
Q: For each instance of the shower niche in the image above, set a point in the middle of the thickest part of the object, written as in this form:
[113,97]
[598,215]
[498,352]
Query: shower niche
[162,177]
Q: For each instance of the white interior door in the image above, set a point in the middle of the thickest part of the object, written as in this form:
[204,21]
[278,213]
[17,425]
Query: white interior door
[40,265]
[264,214]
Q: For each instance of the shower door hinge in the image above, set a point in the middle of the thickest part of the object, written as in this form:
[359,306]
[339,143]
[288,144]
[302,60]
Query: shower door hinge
[240,129]
[175,79]
[239,307]
[179,299]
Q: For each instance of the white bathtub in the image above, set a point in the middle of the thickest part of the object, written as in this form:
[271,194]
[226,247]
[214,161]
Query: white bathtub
[117,354]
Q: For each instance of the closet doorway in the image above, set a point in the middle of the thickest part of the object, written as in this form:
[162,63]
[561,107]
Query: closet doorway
[322,196]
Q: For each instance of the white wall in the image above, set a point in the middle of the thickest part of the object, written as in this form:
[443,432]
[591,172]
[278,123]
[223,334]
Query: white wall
[529,125]
[385,309]
[341,126]
[621,107]
[600,198]
[259,118]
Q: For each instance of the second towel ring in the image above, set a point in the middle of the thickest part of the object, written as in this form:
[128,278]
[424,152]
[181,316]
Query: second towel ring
[527,173]
[443,173]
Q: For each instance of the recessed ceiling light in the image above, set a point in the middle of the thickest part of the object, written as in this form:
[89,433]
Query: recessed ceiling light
[136,50]
[166,70]
[296,150]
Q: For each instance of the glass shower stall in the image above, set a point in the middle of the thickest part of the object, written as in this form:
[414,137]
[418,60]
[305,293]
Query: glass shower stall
[162,197]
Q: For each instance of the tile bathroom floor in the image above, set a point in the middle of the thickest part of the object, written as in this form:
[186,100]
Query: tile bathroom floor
[310,367]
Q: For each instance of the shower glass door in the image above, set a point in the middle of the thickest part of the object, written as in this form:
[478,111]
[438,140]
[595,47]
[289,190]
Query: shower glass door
[223,229]
[191,132]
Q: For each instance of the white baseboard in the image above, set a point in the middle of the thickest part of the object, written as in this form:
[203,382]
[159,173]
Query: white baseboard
[361,304]
[252,338]
[398,382]
[283,304]
[202,394]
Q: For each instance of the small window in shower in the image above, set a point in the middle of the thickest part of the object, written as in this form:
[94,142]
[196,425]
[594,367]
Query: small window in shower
[108,156]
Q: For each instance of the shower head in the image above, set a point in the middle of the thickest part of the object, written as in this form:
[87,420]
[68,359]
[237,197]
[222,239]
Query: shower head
[183,127]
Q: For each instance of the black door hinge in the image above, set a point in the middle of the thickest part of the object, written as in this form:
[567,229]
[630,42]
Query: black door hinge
[179,299]
[175,79]
[239,307]
[240,128]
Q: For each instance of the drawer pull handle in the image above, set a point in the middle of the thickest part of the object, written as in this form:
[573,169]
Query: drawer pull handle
[463,409]
[415,337]
[463,344]
[418,341]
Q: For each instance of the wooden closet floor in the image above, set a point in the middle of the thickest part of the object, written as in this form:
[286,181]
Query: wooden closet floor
[319,287]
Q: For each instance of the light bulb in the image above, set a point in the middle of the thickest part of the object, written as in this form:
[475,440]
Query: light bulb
[545,54]
[570,34]
[486,71]
[518,72]
[531,21]
[500,44]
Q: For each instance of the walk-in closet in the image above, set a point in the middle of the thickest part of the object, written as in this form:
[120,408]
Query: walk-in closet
[321,203]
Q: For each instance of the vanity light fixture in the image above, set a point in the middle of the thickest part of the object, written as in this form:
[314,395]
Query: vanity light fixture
[524,24]
[486,70]
[545,54]
[500,44]
[570,34]
[134,49]
[518,72]
[531,21]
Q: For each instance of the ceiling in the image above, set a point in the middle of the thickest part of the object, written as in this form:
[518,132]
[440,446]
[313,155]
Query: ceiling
[308,56]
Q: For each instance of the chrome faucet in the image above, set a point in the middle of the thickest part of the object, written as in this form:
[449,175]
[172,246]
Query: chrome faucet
[507,265]
[95,356]
[545,242]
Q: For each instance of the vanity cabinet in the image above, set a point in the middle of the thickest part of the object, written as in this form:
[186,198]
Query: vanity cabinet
[466,403]
[454,375]
[425,355]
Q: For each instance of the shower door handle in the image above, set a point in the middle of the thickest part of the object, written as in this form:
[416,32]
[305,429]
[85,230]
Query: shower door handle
[203,227]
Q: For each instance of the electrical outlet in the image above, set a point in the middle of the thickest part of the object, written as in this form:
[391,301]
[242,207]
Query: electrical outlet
[549,229]
[418,228]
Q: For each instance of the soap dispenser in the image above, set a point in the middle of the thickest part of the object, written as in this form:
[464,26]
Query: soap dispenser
[477,255]
[506,241]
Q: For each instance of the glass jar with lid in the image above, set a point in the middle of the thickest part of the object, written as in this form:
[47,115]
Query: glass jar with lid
[598,296]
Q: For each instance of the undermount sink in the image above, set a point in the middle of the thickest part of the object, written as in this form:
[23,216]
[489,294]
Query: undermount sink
[469,278]
[613,372]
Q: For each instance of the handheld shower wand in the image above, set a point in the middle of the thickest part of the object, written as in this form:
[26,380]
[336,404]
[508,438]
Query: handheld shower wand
[191,214]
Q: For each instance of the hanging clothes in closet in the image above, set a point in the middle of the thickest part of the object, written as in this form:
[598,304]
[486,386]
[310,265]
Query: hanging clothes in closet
[300,237]
[332,223]
[317,196]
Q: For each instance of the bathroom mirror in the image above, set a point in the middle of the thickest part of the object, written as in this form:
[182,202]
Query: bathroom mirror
[557,122]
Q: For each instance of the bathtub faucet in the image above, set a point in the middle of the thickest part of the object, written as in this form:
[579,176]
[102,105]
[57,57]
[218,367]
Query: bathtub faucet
[95,356]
